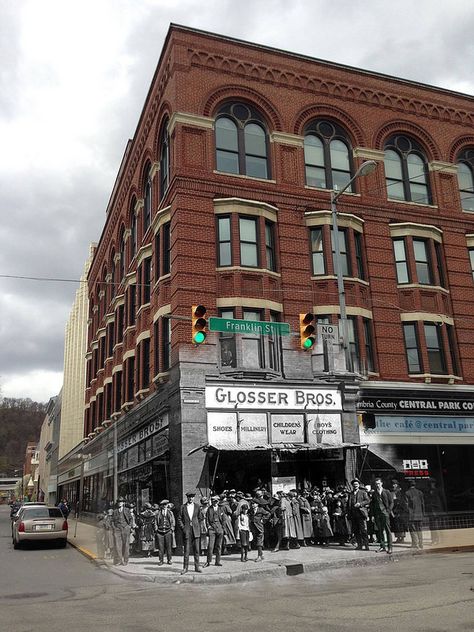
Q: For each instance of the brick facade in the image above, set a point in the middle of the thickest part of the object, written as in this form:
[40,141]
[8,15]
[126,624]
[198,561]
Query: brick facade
[196,75]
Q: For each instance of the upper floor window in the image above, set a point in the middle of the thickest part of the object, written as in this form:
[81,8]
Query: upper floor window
[471,259]
[166,239]
[112,274]
[419,260]
[241,141]
[122,254]
[351,249]
[252,250]
[147,200]
[328,163]
[164,160]
[466,179]
[133,234]
[406,171]
[428,346]
[250,350]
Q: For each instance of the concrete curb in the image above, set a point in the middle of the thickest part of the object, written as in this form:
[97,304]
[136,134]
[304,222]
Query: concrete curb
[83,550]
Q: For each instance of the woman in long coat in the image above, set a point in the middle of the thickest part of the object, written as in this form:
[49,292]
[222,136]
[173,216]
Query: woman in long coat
[147,529]
[289,526]
[306,519]
[295,507]
[229,536]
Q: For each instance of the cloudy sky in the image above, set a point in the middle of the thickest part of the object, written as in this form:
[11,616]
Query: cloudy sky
[73,79]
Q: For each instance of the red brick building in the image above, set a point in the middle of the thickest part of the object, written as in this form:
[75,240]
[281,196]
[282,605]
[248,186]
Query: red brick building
[223,199]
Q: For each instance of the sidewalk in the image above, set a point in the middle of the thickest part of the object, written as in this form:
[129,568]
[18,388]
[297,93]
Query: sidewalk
[293,562]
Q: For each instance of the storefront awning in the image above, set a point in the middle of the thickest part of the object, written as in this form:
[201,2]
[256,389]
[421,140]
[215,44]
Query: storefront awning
[239,447]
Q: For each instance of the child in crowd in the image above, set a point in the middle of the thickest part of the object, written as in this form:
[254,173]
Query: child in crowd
[326,530]
[243,526]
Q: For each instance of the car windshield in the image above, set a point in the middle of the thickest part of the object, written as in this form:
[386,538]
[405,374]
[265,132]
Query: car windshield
[42,512]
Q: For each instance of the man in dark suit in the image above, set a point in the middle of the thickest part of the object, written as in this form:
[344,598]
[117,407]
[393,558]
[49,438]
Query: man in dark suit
[215,520]
[189,518]
[165,524]
[358,510]
[382,507]
[123,523]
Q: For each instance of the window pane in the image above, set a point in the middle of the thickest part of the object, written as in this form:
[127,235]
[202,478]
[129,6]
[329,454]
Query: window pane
[318,263]
[416,168]
[471,259]
[224,229]
[224,254]
[434,347]
[269,246]
[411,347]
[248,229]
[395,190]
[393,165]
[419,193]
[413,361]
[467,200]
[402,272]
[248,255]
[431,335]
[420,250]
[465,178]
[251,344]
[316,177]
[399,249]
[227,162]
[255,142]
[339,155]
[313,151]
[340,179]
[256,167]
[410,336]
[343,259]
[226,134]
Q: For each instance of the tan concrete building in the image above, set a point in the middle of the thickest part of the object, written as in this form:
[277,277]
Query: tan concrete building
[75,342]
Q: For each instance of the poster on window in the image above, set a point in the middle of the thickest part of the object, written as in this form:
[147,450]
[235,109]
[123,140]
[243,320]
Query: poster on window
[283,484]
[325,429]
[253,428]
[221,428]
[287,429]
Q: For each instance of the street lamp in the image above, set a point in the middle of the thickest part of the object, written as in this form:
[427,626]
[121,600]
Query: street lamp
[366,167]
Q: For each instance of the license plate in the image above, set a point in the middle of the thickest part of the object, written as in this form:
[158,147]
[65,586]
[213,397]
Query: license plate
[43,527]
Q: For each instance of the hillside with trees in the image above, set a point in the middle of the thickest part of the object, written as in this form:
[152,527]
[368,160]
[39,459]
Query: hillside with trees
[20,422]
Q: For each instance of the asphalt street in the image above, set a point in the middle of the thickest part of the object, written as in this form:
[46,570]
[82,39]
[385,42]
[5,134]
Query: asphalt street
[43,589]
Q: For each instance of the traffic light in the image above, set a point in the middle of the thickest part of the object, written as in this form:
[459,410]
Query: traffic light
[199,324]
[307,337]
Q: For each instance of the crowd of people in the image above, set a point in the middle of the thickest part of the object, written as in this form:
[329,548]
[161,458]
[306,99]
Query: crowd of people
[236,521]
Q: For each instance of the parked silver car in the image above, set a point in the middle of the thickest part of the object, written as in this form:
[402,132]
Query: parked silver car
[39,522]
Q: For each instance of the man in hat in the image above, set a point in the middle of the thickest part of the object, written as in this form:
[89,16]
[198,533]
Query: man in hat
[381,505]
[165,524]
[258,516]
[358,512]
[123,523]
[189,518]
[215,522]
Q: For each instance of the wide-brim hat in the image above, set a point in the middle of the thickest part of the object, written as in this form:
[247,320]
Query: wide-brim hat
[165,501]
[188,494]
[147,505]
[214,498]
[355,480]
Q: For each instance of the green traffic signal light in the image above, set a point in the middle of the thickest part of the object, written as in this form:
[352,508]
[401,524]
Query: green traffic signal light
[308,343]
[199,324]
[199,337]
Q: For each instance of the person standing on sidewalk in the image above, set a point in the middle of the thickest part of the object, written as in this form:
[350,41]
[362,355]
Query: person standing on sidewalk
[243,533]
[165,525]
[122,521]
[215,522]
[189,517]
[258,517]
[382,507]
[416,513]
[358,512]
[147,530]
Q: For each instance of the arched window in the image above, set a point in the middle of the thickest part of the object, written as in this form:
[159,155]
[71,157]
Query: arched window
[327,156]
[147,200]
[104,292]
[241,141]
[133,229]
[112,273]
[164,160]
[406,171]
[466,179]
[122,254]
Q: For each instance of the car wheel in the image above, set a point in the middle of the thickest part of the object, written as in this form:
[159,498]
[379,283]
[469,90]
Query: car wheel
[62,544]
[16,545]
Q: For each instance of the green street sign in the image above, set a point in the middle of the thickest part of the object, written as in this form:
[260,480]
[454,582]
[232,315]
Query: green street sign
[258,327]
